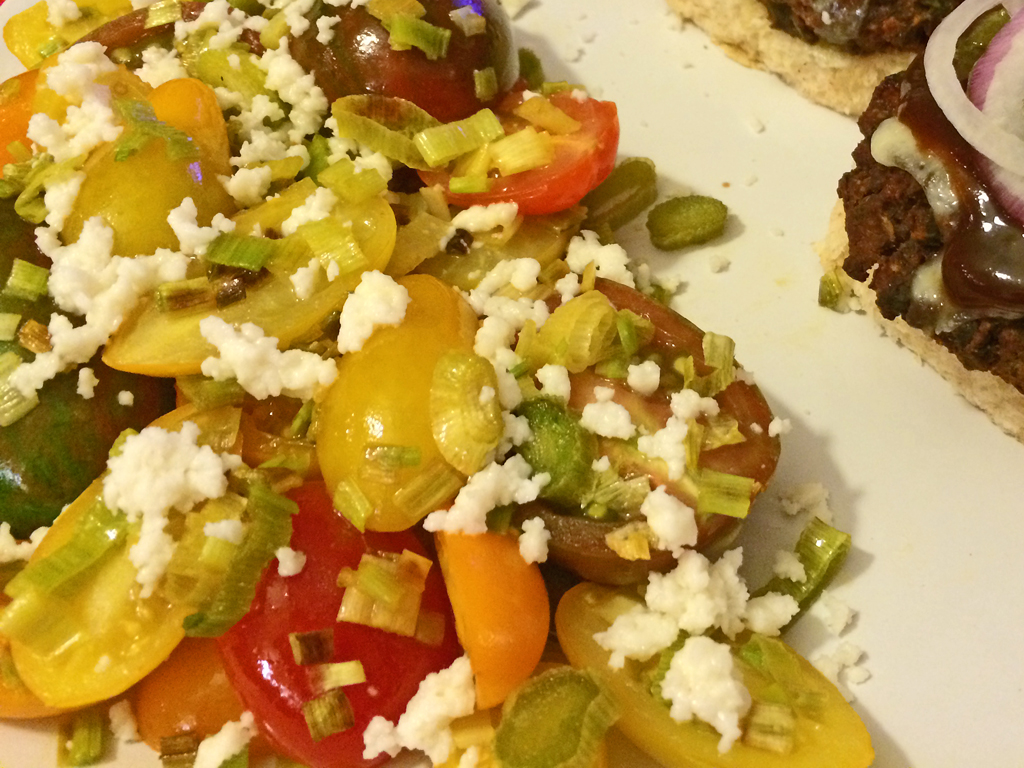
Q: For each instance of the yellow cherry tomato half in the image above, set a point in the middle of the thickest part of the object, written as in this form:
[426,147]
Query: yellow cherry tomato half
[374,429]
[835,736]
[501,609]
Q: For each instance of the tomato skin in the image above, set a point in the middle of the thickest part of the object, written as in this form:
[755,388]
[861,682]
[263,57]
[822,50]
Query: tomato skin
[582,161]
[258,657]
[359,59]
[504,637]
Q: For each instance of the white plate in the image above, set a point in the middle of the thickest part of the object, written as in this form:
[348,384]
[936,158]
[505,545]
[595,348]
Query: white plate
[930,490]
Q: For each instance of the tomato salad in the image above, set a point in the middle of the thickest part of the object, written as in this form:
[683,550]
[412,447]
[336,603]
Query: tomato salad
[324,383]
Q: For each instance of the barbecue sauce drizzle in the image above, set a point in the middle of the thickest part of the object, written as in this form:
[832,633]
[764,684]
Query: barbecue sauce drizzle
[983,259]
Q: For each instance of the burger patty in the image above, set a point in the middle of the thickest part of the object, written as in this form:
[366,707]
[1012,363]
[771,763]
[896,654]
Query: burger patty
[892,230]
[861,26]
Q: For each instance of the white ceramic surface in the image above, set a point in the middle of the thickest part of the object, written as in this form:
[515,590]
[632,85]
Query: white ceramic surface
[930,490]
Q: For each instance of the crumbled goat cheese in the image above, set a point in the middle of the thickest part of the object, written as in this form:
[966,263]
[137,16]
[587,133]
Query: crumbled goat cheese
[425,725]
[493,334]
[533,541]
[702,682]
[248,186]
[295,16]
[234,61]
[377,300]
[84,128]
[769,613]
[637,634]
[644,378]
[160,65]
[833,612]
[229,21]
[509,393]
[602,464]
[59,199]
[843,665]
[672,521]
[87,382]
[316,207]
[610,260]
[296,87]
[193,240]
[60,12]
[742,374]
[779,426]
[304,279]
[125,398]
[517,432]
[324,28]
[807,497]
[231,531]
[226,743]
[12,550]
[262,370]
[494,486]
[522,275]
[606,417]
[289,562]
[719,263]
[74,75]
[122,722]
[481,218]
[700,594]
[487,395]
[788,566]
[668,443]
[158,471]
[554,381]
[86,279]
[568,287]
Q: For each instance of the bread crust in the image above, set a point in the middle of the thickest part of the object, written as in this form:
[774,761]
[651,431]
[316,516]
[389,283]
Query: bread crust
[1003,403]
[838,80]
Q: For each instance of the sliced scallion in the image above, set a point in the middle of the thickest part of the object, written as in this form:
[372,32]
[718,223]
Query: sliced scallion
[316,647]
[542,113]
[468,20]
[720,493]
[163,12]
[771,726]
[443,143]
[27,281]
[242,251]
[350,184]
[207,394]
[190,293]
[385,10]
[430,489]
[466,426]
[522,151]
[9,322]
[327,677]
[328,714]
[485,83]
[406,32]
[81,739]
[350,500]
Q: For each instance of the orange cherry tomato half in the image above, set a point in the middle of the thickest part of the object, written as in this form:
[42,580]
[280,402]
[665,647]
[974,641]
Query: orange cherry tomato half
[258,656]
[501,609]
[583,160]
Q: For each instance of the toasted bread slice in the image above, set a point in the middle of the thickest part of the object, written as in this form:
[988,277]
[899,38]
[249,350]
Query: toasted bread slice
[841,81]
[1003,403]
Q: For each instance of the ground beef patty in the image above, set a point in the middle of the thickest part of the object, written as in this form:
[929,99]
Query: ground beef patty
[891,229]
[861,26]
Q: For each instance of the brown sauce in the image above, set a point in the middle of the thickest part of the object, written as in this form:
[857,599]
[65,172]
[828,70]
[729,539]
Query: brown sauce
[983,259]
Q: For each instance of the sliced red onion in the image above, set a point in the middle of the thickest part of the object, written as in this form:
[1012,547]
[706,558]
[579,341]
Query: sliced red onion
[996,87]
[984,134]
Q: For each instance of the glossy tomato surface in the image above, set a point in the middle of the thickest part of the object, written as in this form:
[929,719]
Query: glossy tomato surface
[258,656]
[583,160]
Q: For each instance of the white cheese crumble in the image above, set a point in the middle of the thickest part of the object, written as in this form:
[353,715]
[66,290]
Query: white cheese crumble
[637,634]
[316,207]
[672,521]
[304,279]
[522,275]
[296,87]
[324,28]
[12,550]
[481,218]
[788,566]
[568,287]
[494,486]
[60,12]
[833,612]
[843,665]
[193,240]
[807,497]
[377,300]
[262,370]
[231,531]
[779,426]
[426,723]
[668,443]
[554,381]
[611,261]
[158,471]
[248,186]
[59,199]
[122,722]
[533,541]
[644,378]
[702,682]
[227,742]
[289,562]
[84,128]
[606,417]
[160,65]
[125,398]
[87,382]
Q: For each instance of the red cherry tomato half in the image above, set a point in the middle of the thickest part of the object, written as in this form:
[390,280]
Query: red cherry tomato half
[582,161]
[258,656]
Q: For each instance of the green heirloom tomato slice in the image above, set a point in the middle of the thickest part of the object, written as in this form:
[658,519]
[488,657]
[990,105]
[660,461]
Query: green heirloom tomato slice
[836,737]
